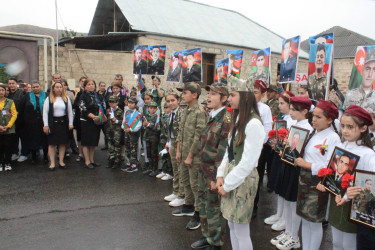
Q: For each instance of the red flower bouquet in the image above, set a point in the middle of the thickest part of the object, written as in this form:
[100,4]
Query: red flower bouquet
[282,133]
[272,134]
[347,181]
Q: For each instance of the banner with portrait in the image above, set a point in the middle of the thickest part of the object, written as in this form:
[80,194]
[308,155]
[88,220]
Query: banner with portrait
[260,65]
[234,62]
[140,59]
[319,70]
[174,71]
[191,62]
[289,59]
[221,70]
[156,59]
[297,138]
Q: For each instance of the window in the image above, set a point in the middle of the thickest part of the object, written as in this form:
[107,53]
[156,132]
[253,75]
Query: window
[208,67]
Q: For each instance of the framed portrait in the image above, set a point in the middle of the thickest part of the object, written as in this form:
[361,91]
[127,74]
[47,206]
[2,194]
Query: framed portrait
[342,162]
[363,206]
[277,125]
[222,70]
[260,65]
[289,59]
[156,59]
[174,71]
[140,59]
[234,62]
[296,141]
[191,61]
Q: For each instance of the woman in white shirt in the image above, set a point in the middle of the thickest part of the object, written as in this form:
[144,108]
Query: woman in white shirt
[237,176]
[58,120]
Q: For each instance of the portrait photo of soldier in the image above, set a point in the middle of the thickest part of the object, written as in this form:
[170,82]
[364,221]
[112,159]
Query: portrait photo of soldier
[174,72]
[260,71]
[289,60]
[156,60]
[296,140]
[193,70]
[140,61]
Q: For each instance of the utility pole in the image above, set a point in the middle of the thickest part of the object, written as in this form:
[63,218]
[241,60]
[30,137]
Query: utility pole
[57,40]
[114,16]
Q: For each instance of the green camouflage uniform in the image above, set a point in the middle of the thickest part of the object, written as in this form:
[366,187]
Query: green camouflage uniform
[274,106]
[358,97]
[254,76]
[318,86]
[213,143]
[131,144]
[114,132]
[152,136]
[361,202]
[191,126]
[167,164]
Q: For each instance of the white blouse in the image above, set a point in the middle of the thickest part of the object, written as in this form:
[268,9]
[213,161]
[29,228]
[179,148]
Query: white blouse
[289,121]
[253,145]
[266,116]
[367,155]
[58,110]
[313,153]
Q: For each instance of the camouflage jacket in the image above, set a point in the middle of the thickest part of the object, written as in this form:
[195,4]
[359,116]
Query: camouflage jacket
[362,202]
[164,130]
[274,106]
[192,123]
[213,143]
[152,131]
[358,97]
[254,76]
[176,123]
[318,86]
[118,114]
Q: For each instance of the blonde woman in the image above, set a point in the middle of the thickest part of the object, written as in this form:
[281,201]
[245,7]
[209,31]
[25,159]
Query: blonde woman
[58,120]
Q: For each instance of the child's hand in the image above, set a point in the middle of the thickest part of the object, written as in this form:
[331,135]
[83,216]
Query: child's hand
[339,200]
[321,187]
[114,119]
[127,130]
[145,123]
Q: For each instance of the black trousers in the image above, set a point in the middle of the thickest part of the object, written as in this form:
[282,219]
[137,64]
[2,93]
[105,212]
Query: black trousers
[265,158]
[365,238]
[5,148]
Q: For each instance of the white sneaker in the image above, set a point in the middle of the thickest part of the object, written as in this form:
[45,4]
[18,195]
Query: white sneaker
[22,158]
[7,168]
[1,168]
[272,219]
[280,237]
[279,225]
[14,157]
[159,176]
[167,177]
[170,197]
[289,244]
[177,202]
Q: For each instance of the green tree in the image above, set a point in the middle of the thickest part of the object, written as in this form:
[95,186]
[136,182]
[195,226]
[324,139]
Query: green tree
[68,33]
[3,74]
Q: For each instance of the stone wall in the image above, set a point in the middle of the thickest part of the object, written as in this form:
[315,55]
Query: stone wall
[341,71]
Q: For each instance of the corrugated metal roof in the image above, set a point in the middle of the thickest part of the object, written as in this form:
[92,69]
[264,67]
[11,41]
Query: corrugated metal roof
[345,42]
[182,18]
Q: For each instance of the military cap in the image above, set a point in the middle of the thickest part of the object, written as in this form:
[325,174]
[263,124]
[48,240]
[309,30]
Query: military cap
[134,89]
[152,104]
[370,55]
[261,85]
[218,87]
[148,92]
[113,98]
[192,87]
[235,84]
[272,87]
[133,100]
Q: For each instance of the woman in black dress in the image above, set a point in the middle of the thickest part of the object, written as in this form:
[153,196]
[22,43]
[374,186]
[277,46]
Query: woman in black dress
[90,121]
[31,113]
[58,120]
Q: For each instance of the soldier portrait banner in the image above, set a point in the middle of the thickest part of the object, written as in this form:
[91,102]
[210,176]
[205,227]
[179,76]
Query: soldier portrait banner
[174,71]
[319,70]
[289,59]
[296,141]
[140,59]
[156,59]
[363,206]
[191,65]
[234,62]
[260,65]
[221,70]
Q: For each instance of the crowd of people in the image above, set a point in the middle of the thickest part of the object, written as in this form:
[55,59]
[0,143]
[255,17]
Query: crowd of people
[216,154]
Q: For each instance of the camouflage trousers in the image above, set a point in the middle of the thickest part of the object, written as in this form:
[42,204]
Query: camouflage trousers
[167,164]
[114,147]
[212,222]
[177,188]
[152,154]
[131,146]
[189,180]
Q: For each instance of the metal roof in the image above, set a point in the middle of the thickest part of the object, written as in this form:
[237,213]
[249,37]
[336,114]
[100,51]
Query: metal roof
[187,19]
[345,42]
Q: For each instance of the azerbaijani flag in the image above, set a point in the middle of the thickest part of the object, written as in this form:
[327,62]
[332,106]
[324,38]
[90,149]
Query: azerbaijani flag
[132,119]
[140,82]
[101,115]
[359,64]
[157,123]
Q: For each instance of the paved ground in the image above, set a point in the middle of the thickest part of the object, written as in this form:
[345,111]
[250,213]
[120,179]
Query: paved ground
[100,209]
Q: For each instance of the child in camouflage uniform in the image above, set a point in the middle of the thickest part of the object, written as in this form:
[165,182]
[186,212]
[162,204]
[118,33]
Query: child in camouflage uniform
[113,132]
[131,125]
[147,98]
[151,125]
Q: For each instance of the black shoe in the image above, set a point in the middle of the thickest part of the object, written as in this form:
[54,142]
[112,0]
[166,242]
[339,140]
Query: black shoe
[105,148]
[63,166]
[90,166]
[52,169]
[184,210]
[96,164]
[75,151]
[325,224]
[255,213]
[202,243]
[147,171]
[154,173]
[124,168]
[194,222]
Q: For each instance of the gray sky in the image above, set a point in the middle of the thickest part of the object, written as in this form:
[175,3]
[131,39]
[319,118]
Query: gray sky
[287,18]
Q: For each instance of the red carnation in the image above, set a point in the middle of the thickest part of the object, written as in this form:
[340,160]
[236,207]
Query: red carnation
[324,172]
[347,181]
[272,134]
[282,133]
[229,109]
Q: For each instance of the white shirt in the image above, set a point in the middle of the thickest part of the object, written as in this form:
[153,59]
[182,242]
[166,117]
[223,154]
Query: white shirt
[213,113]
[266,116]
[313,154]
[367,155]
[304,124]
[140,102]
[58,110]
[253,145]
[289,121]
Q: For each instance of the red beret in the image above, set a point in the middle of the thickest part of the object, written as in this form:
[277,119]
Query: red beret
[261,85]
[286,95]
[328,107]
[301,101]
[361,113]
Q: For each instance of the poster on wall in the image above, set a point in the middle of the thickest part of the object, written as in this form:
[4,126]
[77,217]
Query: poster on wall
[156,59]
[289,59]
[140,59]
[191,65]
[234,62]
[174,71]
[319,70]
[221,70]
[260,66]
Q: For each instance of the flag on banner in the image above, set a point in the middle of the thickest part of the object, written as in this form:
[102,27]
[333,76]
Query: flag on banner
[235,61]
[140,82]
[359,65]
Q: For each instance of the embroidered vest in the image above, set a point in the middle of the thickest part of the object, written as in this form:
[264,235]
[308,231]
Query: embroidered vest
[5,118]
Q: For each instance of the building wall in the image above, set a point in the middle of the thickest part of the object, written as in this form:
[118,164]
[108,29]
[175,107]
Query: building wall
[341,72]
